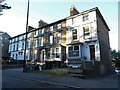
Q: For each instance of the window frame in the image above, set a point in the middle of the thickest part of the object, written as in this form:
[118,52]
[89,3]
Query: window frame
[74,51]
[86,31]
[59,25]
[57,53]
[85,17]
[58,38]
[74,35]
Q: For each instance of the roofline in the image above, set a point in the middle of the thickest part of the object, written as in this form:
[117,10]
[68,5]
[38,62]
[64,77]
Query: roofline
[99,13]
[90,10]
[35,29]
[81,13]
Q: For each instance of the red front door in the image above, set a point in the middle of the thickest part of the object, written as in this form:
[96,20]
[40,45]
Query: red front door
[92,52]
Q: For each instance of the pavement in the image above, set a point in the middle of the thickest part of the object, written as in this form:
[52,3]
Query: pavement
[107,81]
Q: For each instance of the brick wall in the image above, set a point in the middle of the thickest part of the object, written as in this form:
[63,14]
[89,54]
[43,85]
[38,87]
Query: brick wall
[103,36]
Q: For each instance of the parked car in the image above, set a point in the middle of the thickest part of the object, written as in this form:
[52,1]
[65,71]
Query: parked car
[117,70]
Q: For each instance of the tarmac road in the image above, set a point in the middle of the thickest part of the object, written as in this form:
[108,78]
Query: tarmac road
[15,78]
[18,80]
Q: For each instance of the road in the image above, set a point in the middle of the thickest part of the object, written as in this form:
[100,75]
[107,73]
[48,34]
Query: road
[15,79]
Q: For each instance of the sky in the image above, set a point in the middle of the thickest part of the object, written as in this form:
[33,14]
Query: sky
[13,21]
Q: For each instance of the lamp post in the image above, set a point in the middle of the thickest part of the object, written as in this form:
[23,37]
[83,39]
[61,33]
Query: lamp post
[24,61]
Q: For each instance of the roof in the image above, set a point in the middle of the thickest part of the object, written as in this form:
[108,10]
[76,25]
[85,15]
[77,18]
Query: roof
[81,13]
[90,10]
[99,13]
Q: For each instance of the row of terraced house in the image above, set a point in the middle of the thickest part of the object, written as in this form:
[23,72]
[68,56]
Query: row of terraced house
[80,36]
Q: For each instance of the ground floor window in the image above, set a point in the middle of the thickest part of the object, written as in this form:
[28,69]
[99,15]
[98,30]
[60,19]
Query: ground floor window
[57,53]
[48,53]
[52,52]
[73,51]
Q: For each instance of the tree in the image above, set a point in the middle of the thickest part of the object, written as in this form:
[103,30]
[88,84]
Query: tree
[4,6]
[115,55]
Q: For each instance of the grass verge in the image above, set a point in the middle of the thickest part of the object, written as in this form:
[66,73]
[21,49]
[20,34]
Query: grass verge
[54,71]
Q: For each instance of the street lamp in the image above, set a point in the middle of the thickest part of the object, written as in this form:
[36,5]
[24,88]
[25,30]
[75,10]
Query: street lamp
[24,61]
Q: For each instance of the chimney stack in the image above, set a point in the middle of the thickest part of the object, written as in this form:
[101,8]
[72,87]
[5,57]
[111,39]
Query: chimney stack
[73,11]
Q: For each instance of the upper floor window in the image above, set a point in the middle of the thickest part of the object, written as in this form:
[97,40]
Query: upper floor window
[35,33]
[41,41]
[51,28]
[1,38]
[42,31]
[59,26]
[13,40]
[6,38]
[35,43]
[10,48]
[86,31]
[51,39]
[13,47]
[17,46]
[58,38]
[74,21]
[23,45]
[85,17]
[74,32]
[10,41]
[16,39]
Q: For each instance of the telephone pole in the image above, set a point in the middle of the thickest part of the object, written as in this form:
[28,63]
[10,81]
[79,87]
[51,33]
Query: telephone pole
[24,61]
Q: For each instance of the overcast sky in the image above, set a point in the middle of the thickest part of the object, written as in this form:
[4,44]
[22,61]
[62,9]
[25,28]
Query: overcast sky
[13,21]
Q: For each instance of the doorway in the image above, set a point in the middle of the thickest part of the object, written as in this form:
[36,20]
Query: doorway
[43,53]
[92,52]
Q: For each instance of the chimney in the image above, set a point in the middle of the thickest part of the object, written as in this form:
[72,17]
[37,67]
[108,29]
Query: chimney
[42,23]
[73,11]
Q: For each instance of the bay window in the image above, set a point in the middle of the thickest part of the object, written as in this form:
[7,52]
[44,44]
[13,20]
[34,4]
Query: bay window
[73,51]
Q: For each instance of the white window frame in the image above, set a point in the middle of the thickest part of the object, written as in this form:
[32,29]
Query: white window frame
[85,36]
[58,35]
[51,28]
[51,39]
[85,17]
[59,26]
[74,34]
[74,50]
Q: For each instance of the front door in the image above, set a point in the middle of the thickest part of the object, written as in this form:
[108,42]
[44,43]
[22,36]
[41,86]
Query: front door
[92,52]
